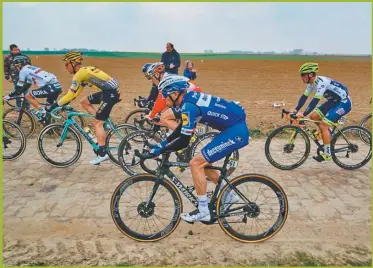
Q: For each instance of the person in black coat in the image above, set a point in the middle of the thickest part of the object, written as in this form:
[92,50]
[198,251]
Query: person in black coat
[171,59]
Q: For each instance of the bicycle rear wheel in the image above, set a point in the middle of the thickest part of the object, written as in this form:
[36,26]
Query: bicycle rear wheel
[353,149]
[366,122]
[142,222]
[263,216]
[115,137]
[287,147]
[14,141]
[26,122]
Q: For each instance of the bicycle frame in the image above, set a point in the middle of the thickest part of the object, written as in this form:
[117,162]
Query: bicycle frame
[313,137]
[71,122]
[164,170]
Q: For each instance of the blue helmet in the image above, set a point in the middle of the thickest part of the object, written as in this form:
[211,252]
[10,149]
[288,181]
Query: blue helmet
[173,83]
[145,68]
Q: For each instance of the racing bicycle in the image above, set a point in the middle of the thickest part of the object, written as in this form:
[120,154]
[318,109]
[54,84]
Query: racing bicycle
[352,144]
[147,207]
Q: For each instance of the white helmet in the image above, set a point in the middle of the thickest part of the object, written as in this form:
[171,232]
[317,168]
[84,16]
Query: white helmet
[173,83]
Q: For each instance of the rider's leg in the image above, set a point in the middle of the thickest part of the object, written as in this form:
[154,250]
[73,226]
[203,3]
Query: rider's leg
[222,145]
[32,100]
[108,100]
[87,102]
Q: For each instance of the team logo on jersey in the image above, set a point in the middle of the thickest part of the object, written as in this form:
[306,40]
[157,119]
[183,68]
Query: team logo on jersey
[185,119]
[74,83]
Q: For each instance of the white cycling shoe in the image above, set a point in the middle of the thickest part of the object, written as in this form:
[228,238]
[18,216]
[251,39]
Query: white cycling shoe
[195,216]
[99,159]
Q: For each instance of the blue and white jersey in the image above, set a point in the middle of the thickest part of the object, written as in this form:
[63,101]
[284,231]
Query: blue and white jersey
[328,88]
[216,112]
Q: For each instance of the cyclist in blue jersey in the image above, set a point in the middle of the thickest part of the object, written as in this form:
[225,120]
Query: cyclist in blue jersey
[226,116]
[338,103]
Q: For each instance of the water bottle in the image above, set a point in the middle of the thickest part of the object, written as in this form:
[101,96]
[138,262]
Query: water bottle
[90,134]
[317,135]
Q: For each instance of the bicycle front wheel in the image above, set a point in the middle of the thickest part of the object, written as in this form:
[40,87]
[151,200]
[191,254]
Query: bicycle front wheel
[287,147]
[14,141]
[351,147]
[59,148]
[257,212]
[139,219]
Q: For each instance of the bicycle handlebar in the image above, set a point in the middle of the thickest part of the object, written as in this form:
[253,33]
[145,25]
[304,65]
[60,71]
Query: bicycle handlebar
[292,115]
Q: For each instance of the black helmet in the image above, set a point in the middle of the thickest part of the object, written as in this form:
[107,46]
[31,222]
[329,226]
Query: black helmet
[21,60]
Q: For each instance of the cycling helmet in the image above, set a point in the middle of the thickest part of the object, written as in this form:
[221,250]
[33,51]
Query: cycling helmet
[157,67]
[173,83]
[309,67]
[145,68]
[21,60]
[73,56]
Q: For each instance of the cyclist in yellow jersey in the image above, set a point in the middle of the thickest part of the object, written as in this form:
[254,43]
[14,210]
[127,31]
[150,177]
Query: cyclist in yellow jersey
[107,97]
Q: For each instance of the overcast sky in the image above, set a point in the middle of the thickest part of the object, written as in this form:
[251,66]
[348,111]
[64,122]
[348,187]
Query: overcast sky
[192,27]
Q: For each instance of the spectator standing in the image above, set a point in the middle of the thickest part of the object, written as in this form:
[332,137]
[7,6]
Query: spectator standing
[10,72]
[171,59]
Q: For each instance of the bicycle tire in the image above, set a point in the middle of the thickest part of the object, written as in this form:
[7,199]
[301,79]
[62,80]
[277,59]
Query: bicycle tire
[270,232]
[334,140]
[28,131]
[75,134]
[126,230]
[364,121]
[113,155]
[279,130]
[22,136]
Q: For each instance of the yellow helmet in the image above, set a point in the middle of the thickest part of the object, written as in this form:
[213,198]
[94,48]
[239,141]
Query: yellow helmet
[75,56]
[309,67]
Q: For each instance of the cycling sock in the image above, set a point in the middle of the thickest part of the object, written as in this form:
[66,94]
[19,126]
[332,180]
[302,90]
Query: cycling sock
[327,149]
[101,151]
[203,204]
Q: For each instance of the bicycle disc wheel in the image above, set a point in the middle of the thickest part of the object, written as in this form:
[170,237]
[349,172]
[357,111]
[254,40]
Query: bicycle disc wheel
[27,121]
[114,138]
[145,223]
[258,213]
[287,147]
[204,139]
[353,149]
[14,141]
[56,153]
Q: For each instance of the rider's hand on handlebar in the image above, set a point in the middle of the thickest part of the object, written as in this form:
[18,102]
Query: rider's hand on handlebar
[299,115]
[51,107]
[6,98]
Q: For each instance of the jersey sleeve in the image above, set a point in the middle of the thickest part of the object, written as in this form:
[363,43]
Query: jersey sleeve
[159,106]
[308,90]
[320,89]
[189,115]
[75,89]
[22,78]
